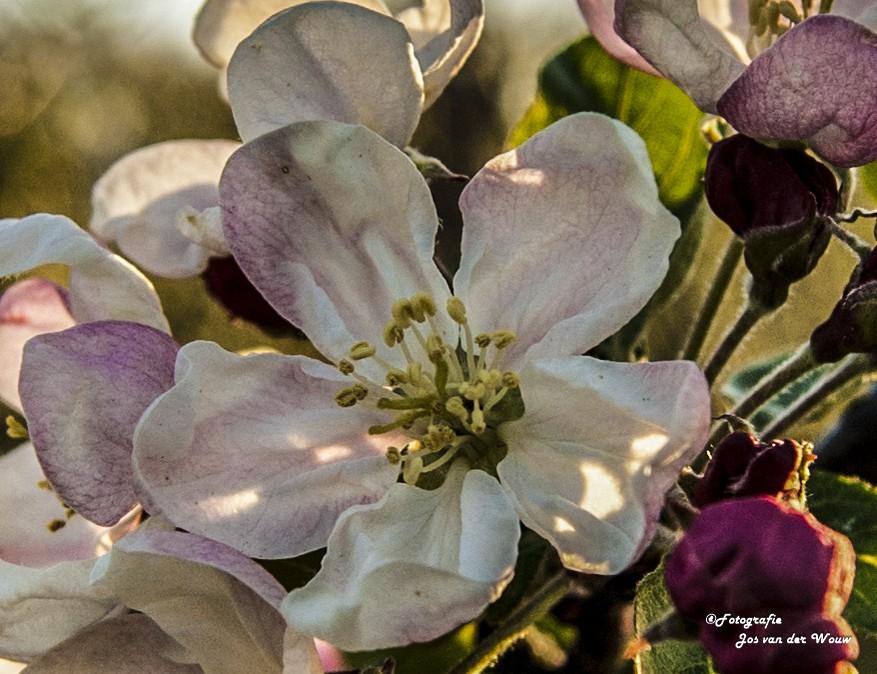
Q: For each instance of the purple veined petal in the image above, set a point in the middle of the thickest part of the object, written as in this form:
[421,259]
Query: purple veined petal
[127,644]
[332,224]
[671,35]
[41,607]
[600,17]
[565,238]
[140,198]
[305,63]
[83,391]
[411,567]
[223,24]
[210,599]
[444,33]
[817,84]
[102,285]
[266,464]
[597,449]
[26,510]
[27,308]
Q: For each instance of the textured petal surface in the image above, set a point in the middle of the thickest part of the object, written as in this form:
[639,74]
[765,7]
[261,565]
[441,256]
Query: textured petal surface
[411,567]
[306,63]
[671,35]
[138,201]
[565,238]
[817,84]
[102,285]
[222,24]
[253,451]
[83,391]
[39,608]
[128,644]
[332,224]
[27,308]
[444,33]
[598,447]
[209,598]
[26,510]
[600,16]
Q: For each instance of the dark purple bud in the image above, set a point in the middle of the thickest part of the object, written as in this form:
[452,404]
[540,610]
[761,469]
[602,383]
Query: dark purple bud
[852,326]
[756,557]
[228,284]
[777,201]
[742,465]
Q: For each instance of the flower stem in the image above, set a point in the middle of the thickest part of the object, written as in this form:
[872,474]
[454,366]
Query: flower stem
[753,313]
[858,246]
[828,384]
[713,299]
[796,365]
[489,651]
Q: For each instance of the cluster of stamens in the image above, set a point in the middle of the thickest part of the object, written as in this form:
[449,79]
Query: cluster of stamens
[442,397]
[771,18]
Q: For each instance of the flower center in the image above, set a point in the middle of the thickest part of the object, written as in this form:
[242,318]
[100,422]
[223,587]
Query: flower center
[447,398]
[769,19]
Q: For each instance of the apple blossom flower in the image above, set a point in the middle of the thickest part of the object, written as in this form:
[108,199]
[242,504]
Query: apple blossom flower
[785,74]
[443,419]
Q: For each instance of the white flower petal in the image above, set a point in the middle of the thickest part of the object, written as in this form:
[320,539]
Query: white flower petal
[564,239]
[306,63]
[253,451]
[332,224]
[598,447]
[411,567]
[138,201]
[102,285]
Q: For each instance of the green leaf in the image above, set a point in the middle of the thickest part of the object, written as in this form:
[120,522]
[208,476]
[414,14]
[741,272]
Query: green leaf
[585,78]
[868,178]
[680,657]
[849,506]
[432,657]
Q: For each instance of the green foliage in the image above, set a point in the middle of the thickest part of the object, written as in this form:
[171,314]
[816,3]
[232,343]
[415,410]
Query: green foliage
[849,506]
[433,657]
[868,177]
[680,657]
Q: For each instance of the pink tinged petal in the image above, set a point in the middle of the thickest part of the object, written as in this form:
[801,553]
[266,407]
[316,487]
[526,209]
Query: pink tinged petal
[332,224]
[26,510]
[305,63]
[252,451]
[83,391]
[303,655]
[598,447]
[671,35]
[39,608]
[565,238]
[600,16]
[128,644]
[102,285]
[817,84]
[222,24]
[27,308]
[139,200]
[411,567]
[444,32]
[224,625]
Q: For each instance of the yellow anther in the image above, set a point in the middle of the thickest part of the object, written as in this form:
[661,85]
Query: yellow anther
[348,397]
[474,391]
[393,333]
[44,484]
[478,424]
[456,407]
[490,378]
[483,340]
[393,455]
[456,310]
[511,380]
[439,436]
[422,305]
[362,350]
[15,429]
[435,347]
[56,525]
[396,378]
[345,366]
[402,313]
[415,373]
[503,338]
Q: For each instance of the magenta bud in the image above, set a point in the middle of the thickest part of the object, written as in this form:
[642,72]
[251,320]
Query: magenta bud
[742,465]
[757,557]
[852,326]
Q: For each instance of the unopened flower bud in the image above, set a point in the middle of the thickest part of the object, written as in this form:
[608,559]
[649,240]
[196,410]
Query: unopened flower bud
[777,200]
[852,326]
